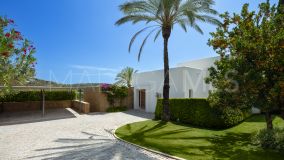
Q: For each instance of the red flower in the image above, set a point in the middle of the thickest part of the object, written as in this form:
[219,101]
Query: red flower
[17,33]
[10,45]
[7,35]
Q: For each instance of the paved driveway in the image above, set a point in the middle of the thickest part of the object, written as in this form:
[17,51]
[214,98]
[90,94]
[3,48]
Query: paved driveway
[74,137]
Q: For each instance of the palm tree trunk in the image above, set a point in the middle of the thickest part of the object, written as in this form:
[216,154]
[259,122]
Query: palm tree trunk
[166,88]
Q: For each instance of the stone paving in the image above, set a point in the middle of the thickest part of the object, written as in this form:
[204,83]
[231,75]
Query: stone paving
[71,138]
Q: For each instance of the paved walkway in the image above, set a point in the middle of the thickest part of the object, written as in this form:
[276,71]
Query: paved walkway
[73,137]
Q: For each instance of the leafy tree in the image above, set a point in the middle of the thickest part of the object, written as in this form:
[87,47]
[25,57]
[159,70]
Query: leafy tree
[251,69]
[16,56]
[161,16]
[125,77]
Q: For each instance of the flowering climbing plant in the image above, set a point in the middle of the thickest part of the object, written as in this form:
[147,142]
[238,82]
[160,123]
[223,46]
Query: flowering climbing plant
[17,61]
[114,93]
[105,87]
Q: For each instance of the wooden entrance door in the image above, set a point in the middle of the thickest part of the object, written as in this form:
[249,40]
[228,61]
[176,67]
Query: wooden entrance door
[142,98]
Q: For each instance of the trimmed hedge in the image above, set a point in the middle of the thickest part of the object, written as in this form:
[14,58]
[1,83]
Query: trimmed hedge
[198,112]
[24,96]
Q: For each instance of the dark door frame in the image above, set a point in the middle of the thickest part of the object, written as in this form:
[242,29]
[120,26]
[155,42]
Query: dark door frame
[142,98]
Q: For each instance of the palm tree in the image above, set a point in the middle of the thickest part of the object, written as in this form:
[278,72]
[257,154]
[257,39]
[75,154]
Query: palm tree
[161,16]
[125,77]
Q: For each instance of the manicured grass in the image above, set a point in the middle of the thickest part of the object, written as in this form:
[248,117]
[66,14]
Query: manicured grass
[194,143]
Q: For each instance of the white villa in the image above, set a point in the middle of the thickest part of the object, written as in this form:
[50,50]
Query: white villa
[186,81]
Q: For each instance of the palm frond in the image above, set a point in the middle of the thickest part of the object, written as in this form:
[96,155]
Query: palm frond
[125,76]
[157,35]
[135,36]
[197,28]
[210,19]
[182,24]
[167,13]
[144,42]
[135,18]
[130,7]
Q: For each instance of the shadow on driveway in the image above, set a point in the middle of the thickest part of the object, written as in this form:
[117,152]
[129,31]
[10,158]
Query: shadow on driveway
[35,116]
[92,146]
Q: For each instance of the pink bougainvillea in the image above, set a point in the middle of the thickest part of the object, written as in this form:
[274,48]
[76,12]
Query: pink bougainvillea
[105,87]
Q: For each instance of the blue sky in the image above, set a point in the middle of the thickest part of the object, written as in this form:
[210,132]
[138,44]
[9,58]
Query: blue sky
[77,40]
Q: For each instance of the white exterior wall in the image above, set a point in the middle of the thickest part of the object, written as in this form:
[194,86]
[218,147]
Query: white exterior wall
[202,64]
[187,75]
[182,79]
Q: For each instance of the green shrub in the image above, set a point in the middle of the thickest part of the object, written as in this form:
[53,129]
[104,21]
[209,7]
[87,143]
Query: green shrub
[116,109]
[270,139]
[231,116]
[24,96]
[198,112]
[60,95]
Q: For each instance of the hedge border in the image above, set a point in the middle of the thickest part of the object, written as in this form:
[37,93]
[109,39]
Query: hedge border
[25,96]
[198,112]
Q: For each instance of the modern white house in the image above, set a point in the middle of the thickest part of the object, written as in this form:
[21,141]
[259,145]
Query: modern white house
[186,81]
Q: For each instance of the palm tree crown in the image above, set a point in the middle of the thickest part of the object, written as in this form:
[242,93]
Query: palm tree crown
[125,77]
[165,14]
[161,16]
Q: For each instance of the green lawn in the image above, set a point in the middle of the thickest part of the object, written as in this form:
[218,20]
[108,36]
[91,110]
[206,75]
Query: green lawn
[194,143]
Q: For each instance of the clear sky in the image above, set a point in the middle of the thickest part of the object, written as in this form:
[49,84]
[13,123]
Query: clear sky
[77,40]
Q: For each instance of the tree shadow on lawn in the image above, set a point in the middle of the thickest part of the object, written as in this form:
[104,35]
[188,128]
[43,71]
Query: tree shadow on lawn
[192,143]
[258,118]
[229,146]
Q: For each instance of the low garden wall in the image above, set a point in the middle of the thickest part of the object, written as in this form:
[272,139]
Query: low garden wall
[82,107]
[34,105]
[98,100]
[94,100]
[198,112]
[32,101]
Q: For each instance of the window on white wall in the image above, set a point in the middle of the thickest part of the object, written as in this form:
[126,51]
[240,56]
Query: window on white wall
[190,93]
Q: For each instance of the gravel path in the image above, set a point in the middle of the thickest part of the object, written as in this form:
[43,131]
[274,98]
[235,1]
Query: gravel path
[80,137]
